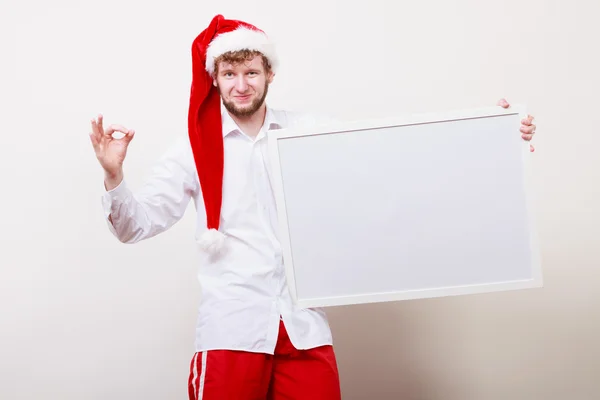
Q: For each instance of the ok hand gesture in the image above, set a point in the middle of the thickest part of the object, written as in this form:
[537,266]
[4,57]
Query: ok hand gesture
[110,151]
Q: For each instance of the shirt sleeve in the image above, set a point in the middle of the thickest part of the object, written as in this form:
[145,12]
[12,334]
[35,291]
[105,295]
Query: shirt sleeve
[159,204]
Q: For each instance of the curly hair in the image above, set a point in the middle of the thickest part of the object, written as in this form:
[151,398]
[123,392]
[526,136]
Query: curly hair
[240,56]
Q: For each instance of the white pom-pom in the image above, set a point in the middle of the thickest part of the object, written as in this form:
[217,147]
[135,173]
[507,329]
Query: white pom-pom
[212,241]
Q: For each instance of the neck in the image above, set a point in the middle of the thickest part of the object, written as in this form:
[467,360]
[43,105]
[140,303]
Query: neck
[251,124]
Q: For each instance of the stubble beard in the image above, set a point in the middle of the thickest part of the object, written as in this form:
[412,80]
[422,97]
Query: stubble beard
[245,111]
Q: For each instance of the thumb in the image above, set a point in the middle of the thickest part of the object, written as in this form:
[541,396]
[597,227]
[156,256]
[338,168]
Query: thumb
[503,103]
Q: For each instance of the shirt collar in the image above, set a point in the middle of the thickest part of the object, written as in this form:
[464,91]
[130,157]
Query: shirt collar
[229,125]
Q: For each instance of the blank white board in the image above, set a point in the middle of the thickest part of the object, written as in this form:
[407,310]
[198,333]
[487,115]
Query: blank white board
[404,208]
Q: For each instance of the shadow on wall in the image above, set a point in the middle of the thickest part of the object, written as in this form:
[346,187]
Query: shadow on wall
[401,350]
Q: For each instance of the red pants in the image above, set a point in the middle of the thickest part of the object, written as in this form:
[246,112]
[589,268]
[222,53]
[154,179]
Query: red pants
[290,374]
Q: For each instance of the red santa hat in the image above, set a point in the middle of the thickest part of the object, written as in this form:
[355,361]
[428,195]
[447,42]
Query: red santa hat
[204,117]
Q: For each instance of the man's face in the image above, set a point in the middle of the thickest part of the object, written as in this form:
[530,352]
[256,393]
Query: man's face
[243,86]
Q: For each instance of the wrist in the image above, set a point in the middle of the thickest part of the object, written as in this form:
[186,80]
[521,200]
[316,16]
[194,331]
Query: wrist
[112,179]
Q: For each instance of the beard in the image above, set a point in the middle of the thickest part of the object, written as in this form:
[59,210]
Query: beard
[247,111]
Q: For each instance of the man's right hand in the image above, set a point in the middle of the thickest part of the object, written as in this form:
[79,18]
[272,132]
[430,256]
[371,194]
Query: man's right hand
[110,151]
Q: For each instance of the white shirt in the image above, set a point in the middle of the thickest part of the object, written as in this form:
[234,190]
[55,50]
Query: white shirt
[244,291]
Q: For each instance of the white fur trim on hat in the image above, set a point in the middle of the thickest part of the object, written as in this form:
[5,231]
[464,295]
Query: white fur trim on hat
[212,241]
[241,38]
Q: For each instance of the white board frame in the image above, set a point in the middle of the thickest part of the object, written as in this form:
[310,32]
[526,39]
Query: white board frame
[284,234]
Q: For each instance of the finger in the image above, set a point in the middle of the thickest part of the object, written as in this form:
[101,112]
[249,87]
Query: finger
[94,126]
[527,129]
[526,121]
[527,137]
[96,144]
[116,128]
[129,136]
[530,117]
[100,123]
[94,140]
[95,131]
[531,148]
[503,103]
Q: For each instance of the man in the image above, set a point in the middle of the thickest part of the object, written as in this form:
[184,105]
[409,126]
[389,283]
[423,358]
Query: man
[251,341]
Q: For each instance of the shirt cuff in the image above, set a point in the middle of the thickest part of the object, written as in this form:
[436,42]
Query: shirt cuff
[115,196]
[119,190]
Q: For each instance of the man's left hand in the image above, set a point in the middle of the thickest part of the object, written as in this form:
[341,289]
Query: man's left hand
[527,127]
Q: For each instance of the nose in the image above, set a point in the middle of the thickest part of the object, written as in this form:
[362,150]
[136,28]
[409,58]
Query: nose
[241,85]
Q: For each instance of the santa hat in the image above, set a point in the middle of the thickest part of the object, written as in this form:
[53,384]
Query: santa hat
[204,117]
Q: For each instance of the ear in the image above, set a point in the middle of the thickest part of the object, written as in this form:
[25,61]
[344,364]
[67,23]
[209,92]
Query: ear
[271,77]
[214,81]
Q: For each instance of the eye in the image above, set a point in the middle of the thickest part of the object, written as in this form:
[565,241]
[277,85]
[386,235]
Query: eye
[252,73]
